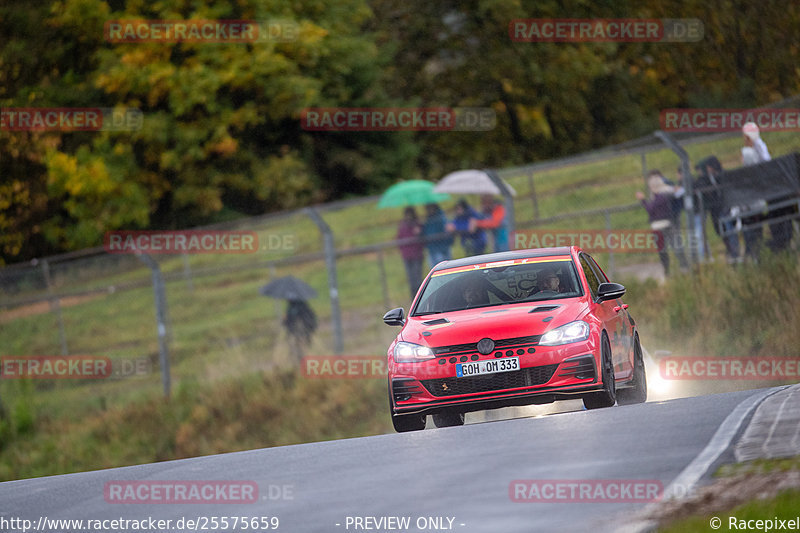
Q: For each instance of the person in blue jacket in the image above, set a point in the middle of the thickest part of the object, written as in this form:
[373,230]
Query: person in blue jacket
[474,242]
[437,240]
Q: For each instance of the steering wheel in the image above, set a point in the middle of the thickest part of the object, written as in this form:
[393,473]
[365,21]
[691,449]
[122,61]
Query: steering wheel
[547,293]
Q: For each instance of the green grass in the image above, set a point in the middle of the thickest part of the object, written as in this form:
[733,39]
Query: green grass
[783,506]
[224,335]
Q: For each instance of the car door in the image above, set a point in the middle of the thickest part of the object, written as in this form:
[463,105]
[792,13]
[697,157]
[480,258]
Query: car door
[605,312]
[622,340]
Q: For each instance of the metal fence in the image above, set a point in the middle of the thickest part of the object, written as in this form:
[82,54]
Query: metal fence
[212,321]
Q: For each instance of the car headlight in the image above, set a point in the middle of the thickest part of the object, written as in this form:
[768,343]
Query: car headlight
[572,332]
[407,352]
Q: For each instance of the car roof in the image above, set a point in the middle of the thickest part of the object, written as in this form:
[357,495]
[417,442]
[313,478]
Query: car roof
[505,256]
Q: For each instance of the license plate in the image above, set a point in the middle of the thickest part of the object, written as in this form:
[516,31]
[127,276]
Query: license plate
[492,366]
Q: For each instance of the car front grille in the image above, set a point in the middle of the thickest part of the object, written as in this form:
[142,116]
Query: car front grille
[403,389]
[470,347]
[537,375]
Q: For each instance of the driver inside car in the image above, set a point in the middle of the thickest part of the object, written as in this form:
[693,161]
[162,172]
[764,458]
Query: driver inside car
[549,281]
[475,296]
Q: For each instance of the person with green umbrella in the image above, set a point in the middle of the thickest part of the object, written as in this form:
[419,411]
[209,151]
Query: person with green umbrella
[411,252]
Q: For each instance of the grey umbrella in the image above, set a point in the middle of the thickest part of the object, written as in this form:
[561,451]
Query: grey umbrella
[469,182]
[288,288]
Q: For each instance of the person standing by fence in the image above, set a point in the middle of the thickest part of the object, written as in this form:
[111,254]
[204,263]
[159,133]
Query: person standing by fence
[494,220]
[660,210]
[437,240]
[412,252]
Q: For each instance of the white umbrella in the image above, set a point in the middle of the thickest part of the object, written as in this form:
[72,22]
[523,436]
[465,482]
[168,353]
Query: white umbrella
[470,182]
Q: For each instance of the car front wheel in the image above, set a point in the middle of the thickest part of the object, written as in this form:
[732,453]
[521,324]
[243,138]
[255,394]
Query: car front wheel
[638,392]
[403,423]
[608,396]
[445,420]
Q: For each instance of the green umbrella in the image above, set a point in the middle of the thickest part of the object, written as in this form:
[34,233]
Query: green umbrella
[413,192]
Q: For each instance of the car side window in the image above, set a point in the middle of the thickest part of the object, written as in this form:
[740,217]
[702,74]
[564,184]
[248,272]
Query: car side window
[591,277]
[601,276]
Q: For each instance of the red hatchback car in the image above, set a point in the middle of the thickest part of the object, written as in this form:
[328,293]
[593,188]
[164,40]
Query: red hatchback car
[512,328]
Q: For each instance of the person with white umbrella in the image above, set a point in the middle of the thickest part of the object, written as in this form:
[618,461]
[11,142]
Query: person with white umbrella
[494,219]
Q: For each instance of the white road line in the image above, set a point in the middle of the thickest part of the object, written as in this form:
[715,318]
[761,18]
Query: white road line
[684,484]
[686,480]
[765,445]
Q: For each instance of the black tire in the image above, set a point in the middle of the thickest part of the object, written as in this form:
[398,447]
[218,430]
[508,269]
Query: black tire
[403,423]
[638,392]
[446,420]
[608,396]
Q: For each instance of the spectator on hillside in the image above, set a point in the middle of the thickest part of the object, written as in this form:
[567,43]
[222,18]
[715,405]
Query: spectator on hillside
[697,240]
[411,252]
[659,209]
[436,225]
[754,150]
[494,219]
[300,323]
[707,187]
[474,242]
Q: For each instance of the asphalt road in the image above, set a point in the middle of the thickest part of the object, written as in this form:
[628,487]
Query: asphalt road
[461,473]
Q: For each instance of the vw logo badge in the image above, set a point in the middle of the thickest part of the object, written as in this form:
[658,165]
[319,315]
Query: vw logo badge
[485,346]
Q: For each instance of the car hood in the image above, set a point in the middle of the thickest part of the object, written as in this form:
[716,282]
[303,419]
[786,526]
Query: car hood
[500,322]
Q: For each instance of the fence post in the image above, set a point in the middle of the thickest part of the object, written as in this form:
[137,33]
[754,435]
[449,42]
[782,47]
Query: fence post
[187,272]
[273,275]
[161,318]
[688,185]
[55,305]
[533,196]
[507,197]
[330,263]
[607,216]
[384,284]
[644,171]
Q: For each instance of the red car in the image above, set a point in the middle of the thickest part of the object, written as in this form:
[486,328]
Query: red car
[512,328]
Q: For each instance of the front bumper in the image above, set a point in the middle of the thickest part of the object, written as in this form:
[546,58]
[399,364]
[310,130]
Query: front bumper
[547,374]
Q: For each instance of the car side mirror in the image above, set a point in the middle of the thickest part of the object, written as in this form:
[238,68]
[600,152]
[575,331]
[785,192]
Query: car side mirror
[395,317]
[610,291]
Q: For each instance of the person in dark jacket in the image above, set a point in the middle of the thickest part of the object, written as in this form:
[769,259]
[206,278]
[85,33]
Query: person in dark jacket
[659,209]
[707,194]
[474,242]
[300,323]
[411,252]
[437,240]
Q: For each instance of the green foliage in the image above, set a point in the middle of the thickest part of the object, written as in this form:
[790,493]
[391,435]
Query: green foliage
[222,135]
[721,310]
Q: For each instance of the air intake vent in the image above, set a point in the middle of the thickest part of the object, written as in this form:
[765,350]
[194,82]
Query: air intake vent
[544,308]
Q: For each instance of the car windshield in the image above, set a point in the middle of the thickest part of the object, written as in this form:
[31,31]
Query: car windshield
[488,285]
